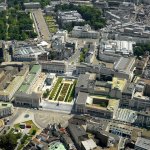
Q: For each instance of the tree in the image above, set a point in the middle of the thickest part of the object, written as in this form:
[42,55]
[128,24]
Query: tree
[8,141]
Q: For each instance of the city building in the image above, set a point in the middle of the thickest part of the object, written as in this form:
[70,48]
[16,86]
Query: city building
[117,47]
[107,139]
[5,109]
[127,94]
[25,96]
[124,67]
[123,130]
[10,81]
[100,106]
[139,101]
[29,53]
[143,119]
[53,66]
[84,32]
[67,17]
[62,47]
[142,144]
[78,134]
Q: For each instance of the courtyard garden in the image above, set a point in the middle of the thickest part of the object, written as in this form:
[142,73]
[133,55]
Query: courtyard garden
[63,90]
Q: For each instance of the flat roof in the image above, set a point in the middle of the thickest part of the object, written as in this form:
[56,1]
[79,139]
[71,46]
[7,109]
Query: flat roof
[35,68]
[82,97]
[83,80]
[118,83]
[89,144]
[143,143]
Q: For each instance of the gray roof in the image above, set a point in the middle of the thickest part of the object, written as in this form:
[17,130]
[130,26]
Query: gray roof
[83,80]
[77,130]
[124,64]
[129,88]
[82,97]
[143,143]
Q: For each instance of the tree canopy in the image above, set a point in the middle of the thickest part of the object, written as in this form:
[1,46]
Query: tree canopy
[140,48]
[16,25]
[8,141]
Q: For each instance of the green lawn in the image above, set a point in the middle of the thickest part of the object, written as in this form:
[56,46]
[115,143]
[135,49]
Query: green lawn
[30,122]
[55,88]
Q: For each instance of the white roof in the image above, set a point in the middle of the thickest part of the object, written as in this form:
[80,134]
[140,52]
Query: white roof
[43,43]
[89,144]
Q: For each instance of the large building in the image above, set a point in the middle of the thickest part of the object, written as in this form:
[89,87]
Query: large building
[117,47]
[84,32]
[125,67]
[67,17]
[29,53]
[5,109]
[10,81]
[100,106]
[25,95]
[53,66]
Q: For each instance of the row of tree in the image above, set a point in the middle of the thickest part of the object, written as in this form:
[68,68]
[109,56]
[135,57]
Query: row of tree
[19,3]
[92,15]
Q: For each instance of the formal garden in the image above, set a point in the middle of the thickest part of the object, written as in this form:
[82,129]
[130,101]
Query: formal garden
[63,90]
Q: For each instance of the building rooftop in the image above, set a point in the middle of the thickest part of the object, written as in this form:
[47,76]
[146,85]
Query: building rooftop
[125,115]
[89,144]
[129,88]
[118,83]
[113,46]
[125,64]
[28,51]
[82,97]
[143,143]
[83,80]
[23,88]
[77,130]
[35,68]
